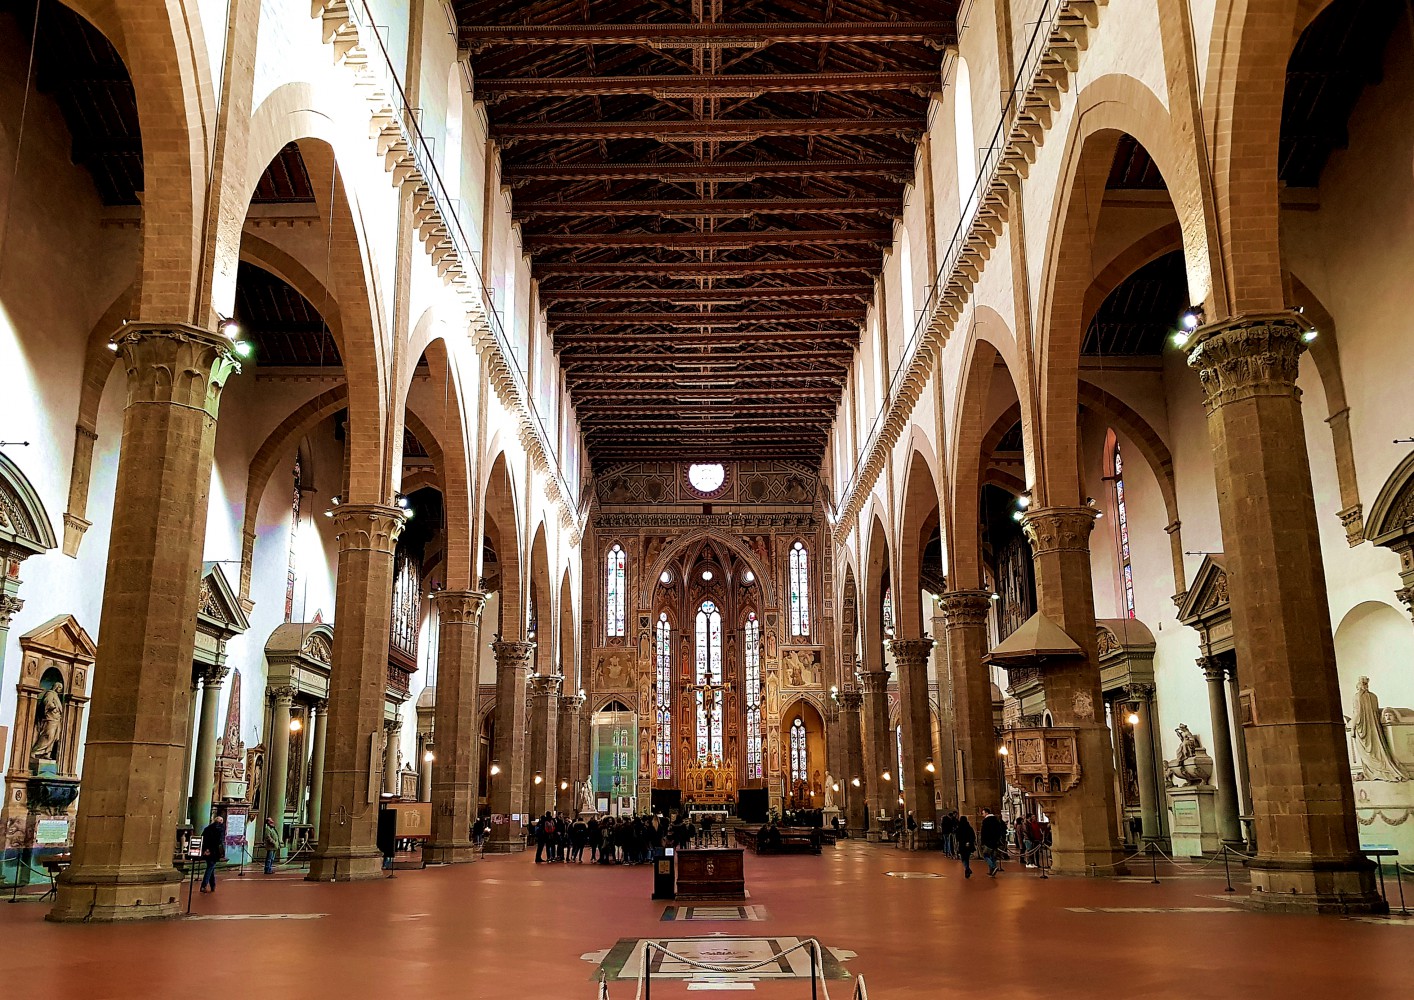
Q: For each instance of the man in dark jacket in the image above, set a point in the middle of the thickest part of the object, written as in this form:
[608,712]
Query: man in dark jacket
[993,838]
[213,850]
[947,826]
[966,841]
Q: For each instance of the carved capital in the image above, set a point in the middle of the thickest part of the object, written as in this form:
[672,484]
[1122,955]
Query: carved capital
[851,700]
[965,608]
[1058,529]
[1213,669]
[175,364]
[10,605]
[368,526]
[873,681]
[1353,520]
[281,694]
[459,607]
[213,675]
[571,703]
[1140,693]
[1406,594]
[1249,355]
[910,651]
[543,687]
[512,655]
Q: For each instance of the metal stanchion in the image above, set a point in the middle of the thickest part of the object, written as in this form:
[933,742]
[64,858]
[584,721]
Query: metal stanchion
[1227,870]
[1153,863]
[814,979]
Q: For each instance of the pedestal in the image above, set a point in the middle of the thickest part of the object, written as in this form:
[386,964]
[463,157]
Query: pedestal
[714,874]
[1193,814]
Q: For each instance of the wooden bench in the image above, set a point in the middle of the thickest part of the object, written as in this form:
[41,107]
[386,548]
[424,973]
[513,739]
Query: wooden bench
[794,840]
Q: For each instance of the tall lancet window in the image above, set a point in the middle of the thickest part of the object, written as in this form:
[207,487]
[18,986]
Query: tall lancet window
[709,672]
[799,590]
[799,760]
[753,696]
[1126,569]
[616,595]
[664,701]
[292,570]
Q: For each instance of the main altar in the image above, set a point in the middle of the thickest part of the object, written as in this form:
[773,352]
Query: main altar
[709,781]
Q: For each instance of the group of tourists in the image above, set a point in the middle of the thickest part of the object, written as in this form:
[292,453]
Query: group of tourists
[626,840]
[990,840]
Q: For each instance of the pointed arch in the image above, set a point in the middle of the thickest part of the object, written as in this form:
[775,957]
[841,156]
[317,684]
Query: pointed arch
[501,530]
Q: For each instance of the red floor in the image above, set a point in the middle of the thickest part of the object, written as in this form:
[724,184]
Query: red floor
[507,928]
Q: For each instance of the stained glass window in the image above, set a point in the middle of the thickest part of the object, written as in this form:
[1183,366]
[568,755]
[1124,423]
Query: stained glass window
[799,760]
[709,672]
[663,656]
[616,592]
[753,696]
[799,591]
[292,571]
[1126,570]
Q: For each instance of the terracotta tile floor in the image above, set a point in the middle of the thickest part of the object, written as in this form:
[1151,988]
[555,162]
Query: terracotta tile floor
[507,928]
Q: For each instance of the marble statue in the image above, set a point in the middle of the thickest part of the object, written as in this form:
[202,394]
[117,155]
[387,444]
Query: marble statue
[1372,755]
[586,797]
[829,791]
[49,723]
[1191,765]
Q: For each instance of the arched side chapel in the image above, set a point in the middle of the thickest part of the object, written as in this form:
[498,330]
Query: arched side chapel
[1066,462]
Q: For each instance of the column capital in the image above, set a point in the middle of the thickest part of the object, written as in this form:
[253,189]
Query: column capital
[1141,693]
[394,725]
[459,607]
[281,694]
[965,608]
[1247,355]
[368,526]
[10,606]
[512,653]
[1058,529]
[910,651]
[213,674]
[851,700]
[1212,668]
[175,363]
[571,702]
[319,705]
[873,681]
[1406,594]
[546,686]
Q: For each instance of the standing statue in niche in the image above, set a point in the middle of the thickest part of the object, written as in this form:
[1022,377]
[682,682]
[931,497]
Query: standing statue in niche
[1372,754]
[586,798]
[48,723]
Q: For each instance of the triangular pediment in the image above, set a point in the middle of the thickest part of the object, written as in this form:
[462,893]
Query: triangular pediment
[23,519]
[219,609]
[1208,594]
[62,637]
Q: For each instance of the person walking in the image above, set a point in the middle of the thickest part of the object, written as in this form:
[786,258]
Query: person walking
[993,838]
[213,850]
[946,827]
[912,832]
[965,841]
[270,840]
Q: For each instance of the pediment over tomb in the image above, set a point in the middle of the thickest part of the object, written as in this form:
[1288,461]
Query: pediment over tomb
[298,655]
[1126,650]
[1206,608]
[24,524]
[219,612]
[60,638]
[1391,516]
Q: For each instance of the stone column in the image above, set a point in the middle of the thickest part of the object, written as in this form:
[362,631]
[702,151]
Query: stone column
[193,711]
[1299,768]
[394,729]
[1141,698]
[506,792]
[544,730]
[1239,743]
[137,746]
[911,660]
[567,767]
[278,740]
[454,779]
[204,764]
[879,751]
[1224,772]
[1084,819]
[974,731]
[358,679]
[319,714]
[945,780]
[424,771]
[851,701]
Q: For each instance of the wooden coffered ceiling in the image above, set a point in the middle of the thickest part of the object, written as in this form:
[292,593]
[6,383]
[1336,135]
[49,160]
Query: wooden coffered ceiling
[706,191]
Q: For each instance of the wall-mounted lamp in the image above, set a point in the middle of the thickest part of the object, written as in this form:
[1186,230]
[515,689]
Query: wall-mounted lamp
[296,724]
[854,782]
[495,768]
[428,757]
[930,768]
[887,776]
[539,778]
[1002,751]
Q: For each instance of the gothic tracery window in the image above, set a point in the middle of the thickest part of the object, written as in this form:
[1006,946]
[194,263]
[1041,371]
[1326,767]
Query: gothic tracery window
[663,657]
[709,679]
[753,696]
[1126,569]
[616,592]
[799,761]
[799,590]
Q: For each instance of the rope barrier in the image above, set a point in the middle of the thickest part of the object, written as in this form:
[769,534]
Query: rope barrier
[736,968]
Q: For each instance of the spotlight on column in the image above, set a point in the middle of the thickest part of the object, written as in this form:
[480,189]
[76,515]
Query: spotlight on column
[996,596]
[854,782]
[495,768]
[834,786]
[296,724]
[888,776]
[930,768]
[1133,718]
[1024,500]
[429,757]
[564,785]
[539,778]
[1309,335]
[403,501]
[230,329]
[1192,318]
[112,346]
[243,348]
[1017,515]
[1002,750]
